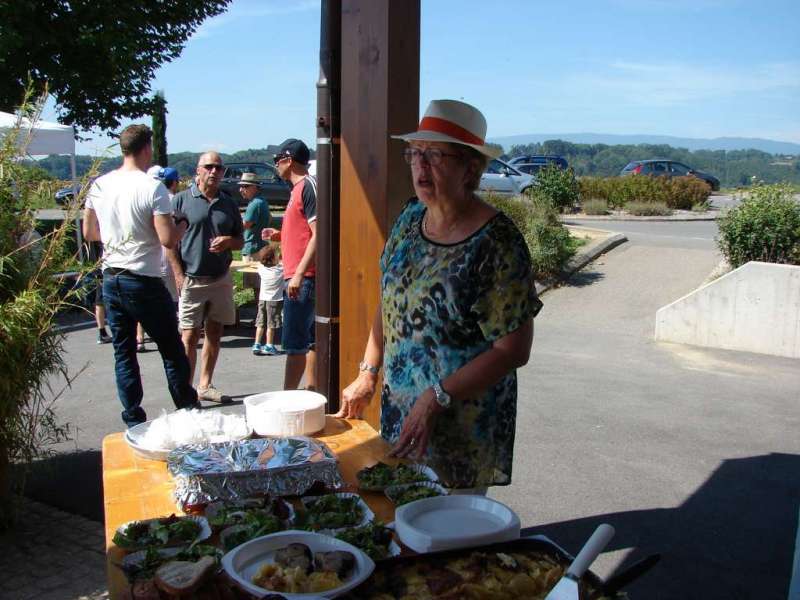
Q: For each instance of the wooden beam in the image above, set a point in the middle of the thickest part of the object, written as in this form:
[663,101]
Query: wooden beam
[380,97]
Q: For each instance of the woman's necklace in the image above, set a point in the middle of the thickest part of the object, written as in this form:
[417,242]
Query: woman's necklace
[447,230]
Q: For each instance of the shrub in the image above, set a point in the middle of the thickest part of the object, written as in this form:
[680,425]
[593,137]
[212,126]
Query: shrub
[677,192]
[765,227]
[595,207]
[558,186]
[31,352]
[649,209]
[548,241]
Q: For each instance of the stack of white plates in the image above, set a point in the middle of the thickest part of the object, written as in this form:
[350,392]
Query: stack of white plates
[446,522]
[286,413]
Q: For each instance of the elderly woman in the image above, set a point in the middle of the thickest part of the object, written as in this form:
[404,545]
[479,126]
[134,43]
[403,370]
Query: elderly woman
[456,313]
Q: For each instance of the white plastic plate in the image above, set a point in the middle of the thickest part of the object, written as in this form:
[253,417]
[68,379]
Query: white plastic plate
[243,562]
[136,434]
[448,522]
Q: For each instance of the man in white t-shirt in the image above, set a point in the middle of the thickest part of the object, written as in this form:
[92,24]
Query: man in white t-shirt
[131,214]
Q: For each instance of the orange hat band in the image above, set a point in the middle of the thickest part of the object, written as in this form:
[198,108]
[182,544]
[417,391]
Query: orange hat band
[449,128]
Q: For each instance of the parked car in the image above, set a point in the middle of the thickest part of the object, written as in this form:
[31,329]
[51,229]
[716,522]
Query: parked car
[503,178]
[273,189]
[667,168]
[63,196]
[538,160]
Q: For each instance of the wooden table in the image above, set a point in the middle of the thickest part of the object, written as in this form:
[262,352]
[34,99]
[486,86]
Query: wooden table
[136,488]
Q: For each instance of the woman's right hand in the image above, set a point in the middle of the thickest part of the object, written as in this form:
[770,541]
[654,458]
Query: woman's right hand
[356,396]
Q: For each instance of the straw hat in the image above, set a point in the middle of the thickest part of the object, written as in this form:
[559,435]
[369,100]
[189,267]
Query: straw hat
[249,179]
[455,122]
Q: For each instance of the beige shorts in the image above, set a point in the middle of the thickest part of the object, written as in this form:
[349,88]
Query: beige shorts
[207,298]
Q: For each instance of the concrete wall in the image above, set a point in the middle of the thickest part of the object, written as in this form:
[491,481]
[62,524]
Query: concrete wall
[755,308]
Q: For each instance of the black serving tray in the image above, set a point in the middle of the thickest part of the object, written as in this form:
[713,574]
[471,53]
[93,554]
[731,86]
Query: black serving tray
[529,544]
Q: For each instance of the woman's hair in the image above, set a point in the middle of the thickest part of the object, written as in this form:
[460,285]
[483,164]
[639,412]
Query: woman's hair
[269,257]
[476,161]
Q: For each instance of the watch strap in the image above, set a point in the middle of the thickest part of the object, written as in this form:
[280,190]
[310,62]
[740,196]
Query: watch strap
[363,366]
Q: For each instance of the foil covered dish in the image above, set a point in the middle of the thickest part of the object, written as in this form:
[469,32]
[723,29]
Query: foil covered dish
[240,469]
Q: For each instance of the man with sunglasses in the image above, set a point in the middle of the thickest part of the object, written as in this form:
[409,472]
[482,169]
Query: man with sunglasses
[201,267]
[298,237]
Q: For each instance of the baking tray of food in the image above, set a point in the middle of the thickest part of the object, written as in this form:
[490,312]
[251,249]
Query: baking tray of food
[524,568]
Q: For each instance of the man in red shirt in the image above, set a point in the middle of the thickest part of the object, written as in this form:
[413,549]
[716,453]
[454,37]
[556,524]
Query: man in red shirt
[298,237]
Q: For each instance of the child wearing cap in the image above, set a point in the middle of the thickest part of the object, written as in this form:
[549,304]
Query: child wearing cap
[270,301]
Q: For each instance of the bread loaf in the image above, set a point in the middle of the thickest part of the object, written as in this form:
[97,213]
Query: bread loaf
[180,577]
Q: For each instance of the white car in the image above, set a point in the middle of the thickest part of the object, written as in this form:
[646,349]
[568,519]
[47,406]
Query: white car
[502,178]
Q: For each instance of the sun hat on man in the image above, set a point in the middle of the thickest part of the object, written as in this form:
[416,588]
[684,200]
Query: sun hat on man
[455,122]
[249,179]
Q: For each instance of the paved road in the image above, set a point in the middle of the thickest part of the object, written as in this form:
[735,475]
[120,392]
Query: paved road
[689,452]
[699,235]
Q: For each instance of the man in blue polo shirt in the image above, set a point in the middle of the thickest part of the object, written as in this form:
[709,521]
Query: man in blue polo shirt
[201,268]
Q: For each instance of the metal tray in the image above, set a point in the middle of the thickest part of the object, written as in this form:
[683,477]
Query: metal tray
[530,544]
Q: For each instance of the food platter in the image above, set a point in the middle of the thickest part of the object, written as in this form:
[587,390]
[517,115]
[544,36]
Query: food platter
[366,514]
[398,576]
[155,439]
[410,492]
[244,562]
[381,476]
[454,522]
[138,535]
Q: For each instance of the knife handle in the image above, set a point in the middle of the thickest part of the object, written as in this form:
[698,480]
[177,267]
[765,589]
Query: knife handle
[591,549]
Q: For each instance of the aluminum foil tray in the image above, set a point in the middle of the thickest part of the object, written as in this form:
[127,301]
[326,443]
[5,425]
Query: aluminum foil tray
[242,469]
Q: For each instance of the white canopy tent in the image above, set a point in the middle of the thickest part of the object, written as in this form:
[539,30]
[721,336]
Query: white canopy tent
[44,138]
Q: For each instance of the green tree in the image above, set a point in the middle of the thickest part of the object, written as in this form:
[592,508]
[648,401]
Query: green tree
[160,131]
[97,56]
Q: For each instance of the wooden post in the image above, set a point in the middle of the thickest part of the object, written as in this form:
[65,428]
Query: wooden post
[380,97]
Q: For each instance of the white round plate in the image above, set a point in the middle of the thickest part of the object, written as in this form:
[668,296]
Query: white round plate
[447,522]
[244,561]
[136,434]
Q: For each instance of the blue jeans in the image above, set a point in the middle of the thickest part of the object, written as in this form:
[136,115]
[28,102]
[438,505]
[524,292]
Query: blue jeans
[298,319]
[131,299]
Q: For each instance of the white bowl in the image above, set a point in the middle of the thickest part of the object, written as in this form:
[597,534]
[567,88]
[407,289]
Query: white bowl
[244,561]
[446,522]
[266,413]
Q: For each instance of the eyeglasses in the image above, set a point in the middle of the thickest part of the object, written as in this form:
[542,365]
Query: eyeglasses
[213,167]
[433,156]
[276,159]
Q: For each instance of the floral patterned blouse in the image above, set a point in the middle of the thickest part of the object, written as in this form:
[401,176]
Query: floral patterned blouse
[443,305]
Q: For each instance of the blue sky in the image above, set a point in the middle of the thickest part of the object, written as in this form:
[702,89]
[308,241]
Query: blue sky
[690,68]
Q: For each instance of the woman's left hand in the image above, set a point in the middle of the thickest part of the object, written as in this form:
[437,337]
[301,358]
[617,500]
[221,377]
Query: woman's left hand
[417,428]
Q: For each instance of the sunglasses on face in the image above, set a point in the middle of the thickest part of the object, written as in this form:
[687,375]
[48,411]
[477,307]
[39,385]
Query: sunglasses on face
[433,156]
[213,167]
[278,159]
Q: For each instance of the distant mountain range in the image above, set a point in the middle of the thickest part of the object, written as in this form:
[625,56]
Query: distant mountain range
[722,143]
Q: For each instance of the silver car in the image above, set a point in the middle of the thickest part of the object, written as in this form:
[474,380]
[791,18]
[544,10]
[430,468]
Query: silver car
[502,178]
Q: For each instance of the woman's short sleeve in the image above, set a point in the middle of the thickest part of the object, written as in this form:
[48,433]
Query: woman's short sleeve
[507,296]
[401,225]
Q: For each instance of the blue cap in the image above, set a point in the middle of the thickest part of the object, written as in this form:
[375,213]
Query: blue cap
[168,174]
